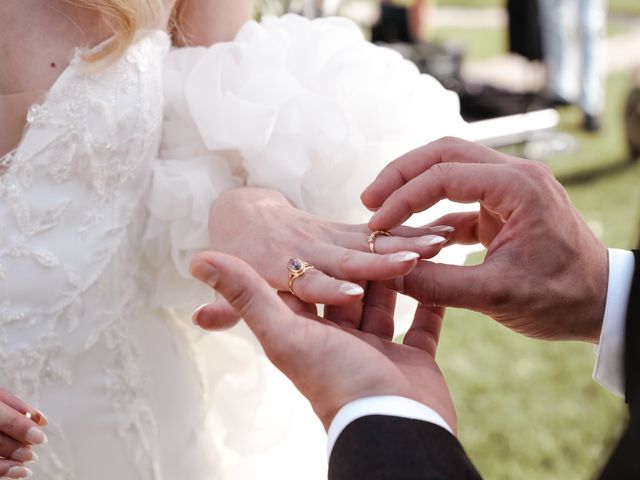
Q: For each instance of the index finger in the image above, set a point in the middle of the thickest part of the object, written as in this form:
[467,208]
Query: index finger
[416,162]
[497,187]
[15,425]
[14,402]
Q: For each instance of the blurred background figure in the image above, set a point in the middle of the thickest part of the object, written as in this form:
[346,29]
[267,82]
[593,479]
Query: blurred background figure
[525,37]
[401,22]
[568,82]
[632,119]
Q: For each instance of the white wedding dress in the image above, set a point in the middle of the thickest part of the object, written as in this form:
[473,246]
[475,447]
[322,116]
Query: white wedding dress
[106,198]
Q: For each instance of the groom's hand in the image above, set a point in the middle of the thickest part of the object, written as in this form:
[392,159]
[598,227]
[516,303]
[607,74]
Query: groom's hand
[545,273]
[330,364]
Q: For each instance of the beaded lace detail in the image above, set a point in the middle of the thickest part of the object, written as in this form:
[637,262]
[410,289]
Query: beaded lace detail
[71,213]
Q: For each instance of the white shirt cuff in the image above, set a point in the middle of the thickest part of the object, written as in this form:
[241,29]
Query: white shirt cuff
[389,405]
[609,367]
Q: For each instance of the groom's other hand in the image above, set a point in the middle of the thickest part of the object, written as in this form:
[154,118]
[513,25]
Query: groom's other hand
[545,273]
[333,365]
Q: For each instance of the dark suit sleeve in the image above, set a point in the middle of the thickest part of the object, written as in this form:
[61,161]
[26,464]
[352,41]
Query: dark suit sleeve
[625,461]
[379,447]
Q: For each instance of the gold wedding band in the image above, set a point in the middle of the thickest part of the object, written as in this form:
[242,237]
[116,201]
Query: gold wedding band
[374,236]
[297,268]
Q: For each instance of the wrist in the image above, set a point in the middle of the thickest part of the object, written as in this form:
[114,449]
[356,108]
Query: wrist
[439,402]
[599,299]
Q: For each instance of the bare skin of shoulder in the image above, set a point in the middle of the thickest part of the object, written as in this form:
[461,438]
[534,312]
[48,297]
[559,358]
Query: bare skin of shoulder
[38,39]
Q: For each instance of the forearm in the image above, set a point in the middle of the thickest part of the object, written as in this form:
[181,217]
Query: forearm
[204,22]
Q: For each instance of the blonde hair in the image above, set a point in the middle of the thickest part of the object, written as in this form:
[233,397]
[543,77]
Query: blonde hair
[123,19]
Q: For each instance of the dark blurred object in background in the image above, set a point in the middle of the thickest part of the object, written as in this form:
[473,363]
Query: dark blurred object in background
[400,23]
[632,120]
[525,37]
[442,61]
[392,25]
[480,102]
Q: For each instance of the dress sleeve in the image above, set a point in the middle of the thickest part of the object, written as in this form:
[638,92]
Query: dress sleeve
[187,178]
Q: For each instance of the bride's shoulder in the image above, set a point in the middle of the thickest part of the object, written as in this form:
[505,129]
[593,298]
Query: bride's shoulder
[38,40]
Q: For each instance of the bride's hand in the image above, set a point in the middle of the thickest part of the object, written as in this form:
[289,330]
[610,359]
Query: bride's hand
[18,434]
[261,227]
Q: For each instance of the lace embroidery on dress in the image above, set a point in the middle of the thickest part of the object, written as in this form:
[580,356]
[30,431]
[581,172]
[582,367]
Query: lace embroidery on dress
[5,161]
[69,195]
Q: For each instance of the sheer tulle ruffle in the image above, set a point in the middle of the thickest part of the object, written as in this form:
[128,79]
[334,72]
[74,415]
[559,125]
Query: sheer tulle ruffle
[309,108]
[314,111]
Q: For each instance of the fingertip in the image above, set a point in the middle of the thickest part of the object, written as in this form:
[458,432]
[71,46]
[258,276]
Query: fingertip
[42,420]
[205,269]
[37,417]
[374,222]
[404,257]
[365,196]
[197,261]
[352,290]
[380,220]
[432,241]
[196,314]
[215,317]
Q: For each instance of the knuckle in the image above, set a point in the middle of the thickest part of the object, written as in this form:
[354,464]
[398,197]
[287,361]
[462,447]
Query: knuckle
[7,446]
[536,171]
[443,169]
[423,288]
[241,298]
[405,204]
[448,142]
[455,148]
[13,424]
[345,263]
[541,185]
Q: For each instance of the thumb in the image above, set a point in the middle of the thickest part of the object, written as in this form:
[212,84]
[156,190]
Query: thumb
[216,316]
[252,298]
[438,284]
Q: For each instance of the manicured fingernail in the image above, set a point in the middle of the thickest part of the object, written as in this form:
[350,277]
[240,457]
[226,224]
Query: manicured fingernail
[212,275]
[24,455]
[196,312]
[404,257]
[41,418]
[442,229]
[351,289]
[432,240]
[36,436]
[19,472]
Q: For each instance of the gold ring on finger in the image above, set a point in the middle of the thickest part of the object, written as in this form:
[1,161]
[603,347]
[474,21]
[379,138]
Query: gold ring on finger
[374,236]
[297,268]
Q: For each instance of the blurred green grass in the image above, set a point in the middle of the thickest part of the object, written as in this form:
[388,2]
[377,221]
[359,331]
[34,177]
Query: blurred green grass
[615,6]
[530,409]
[481,43]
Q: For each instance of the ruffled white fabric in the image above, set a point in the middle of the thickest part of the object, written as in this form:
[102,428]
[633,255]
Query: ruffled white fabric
[308,108]
[132,393]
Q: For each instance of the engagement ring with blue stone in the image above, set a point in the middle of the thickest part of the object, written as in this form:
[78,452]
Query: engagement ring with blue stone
[296,268]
